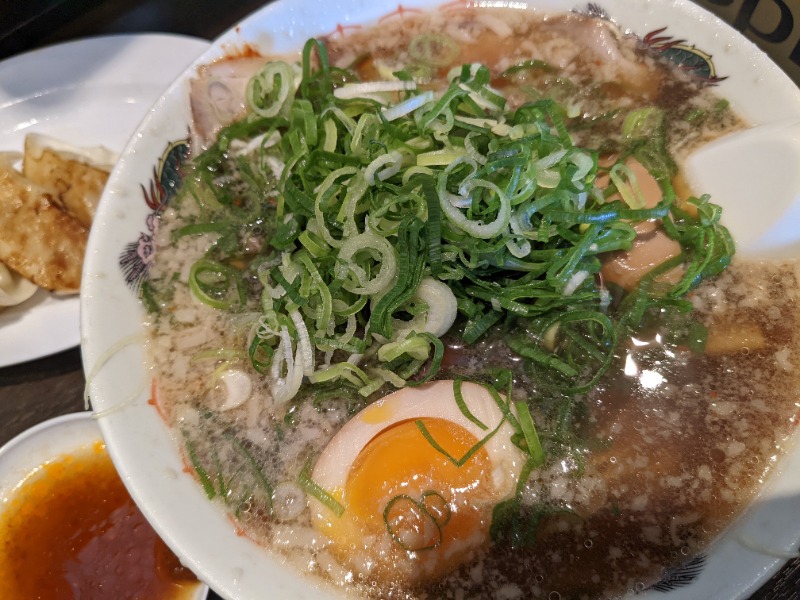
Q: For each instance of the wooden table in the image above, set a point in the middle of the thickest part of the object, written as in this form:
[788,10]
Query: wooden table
[38,390]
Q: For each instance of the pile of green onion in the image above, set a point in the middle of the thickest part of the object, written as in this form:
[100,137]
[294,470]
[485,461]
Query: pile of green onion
[396,213]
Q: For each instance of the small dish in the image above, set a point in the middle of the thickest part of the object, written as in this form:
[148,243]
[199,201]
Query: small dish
[22,458]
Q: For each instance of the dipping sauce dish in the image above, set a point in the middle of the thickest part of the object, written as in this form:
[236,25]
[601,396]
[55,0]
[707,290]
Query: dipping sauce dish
[69,528]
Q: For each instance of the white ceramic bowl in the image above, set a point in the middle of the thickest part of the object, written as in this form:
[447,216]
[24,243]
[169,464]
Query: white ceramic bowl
[142,446]
[46,442]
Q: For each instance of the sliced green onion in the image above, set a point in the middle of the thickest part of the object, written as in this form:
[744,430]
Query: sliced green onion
[312,488]
[342,370]
[202,474]
[458,462]
[217,285]
[532,443]
[358,90]
[347,264]
[625,181]
[271,91]
[437,506]
[404,530]
[408,106]
[462,406]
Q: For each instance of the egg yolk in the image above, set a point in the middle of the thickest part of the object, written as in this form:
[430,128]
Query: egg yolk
[409,507]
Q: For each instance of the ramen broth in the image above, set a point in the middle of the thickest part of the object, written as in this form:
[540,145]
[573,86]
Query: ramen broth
[677,444]
[654,462]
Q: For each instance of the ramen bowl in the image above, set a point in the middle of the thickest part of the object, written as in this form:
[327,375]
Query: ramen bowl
[119,375]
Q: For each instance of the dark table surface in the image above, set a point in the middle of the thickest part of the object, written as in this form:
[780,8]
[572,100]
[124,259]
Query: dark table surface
[41,389]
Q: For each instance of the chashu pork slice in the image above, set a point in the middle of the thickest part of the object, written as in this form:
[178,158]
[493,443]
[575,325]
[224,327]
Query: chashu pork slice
[39,238]
[217,95]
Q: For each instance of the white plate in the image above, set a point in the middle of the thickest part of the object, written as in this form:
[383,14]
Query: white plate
[23,455]
[89,92]
[143,447]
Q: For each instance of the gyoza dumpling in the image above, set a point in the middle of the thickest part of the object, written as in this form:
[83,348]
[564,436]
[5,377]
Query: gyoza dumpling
[14,288]
[39,239]
[76,175]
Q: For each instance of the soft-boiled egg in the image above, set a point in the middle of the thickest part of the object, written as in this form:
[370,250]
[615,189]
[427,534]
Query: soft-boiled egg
[416,478]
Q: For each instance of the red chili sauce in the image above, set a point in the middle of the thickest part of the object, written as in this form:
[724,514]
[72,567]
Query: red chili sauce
[71,531]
